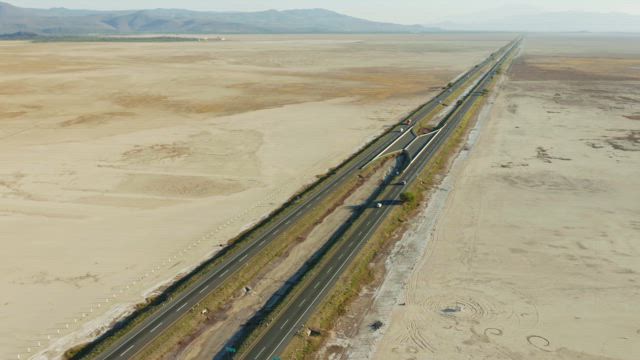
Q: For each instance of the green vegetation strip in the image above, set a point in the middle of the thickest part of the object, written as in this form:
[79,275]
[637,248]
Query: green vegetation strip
[361,272]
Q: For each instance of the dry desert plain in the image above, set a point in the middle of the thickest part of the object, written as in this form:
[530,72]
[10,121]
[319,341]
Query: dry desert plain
[123,165]
[535,250]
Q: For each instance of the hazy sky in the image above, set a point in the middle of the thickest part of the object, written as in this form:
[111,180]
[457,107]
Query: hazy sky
[399,11]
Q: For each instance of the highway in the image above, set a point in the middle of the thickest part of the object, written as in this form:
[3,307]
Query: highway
[179,304]
[299,308]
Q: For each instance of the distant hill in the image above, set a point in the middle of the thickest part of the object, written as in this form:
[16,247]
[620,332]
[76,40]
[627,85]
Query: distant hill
[567,21]
[61,21]
[20,35]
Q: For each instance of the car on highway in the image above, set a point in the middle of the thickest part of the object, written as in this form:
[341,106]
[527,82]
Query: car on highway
[378,205]
[403,182]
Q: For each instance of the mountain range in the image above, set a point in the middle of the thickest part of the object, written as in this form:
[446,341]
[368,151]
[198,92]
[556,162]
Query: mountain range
[540,21]
[61,21]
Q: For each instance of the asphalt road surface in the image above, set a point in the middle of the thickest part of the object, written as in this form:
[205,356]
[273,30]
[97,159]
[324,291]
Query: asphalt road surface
[290,320]
[154,325]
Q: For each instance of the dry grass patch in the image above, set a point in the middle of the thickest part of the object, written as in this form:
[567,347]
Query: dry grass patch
[564,68]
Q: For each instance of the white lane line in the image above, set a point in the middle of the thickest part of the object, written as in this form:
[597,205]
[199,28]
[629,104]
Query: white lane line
[244,257]
[126,351]
[360,233]
[284,324]
[261,242]
[156,327]
[263,349]
[203,289]
[329,269]
[341,256]
[316,285]
[387,148]
[226,271]
[181,307]
[423,149]
[316,298]
[288,222]
[302,302]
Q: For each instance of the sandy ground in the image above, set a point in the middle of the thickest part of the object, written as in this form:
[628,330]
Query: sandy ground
[123,165]
[535,254]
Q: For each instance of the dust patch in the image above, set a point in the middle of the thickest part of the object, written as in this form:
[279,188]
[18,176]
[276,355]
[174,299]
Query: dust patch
[368,84]
[150,100]
[11,187]
[546,68]
[385,83]
[156,152]
[551,181]
[44,278]
[11,114]
[255,96]
[96,119]
[543,155]
[178,186]
[127,201]
[176,59]
[629,142]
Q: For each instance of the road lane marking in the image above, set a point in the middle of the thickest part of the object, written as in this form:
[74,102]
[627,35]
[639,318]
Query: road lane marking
[181,307]
[329,269]
[263,349]
[261,242]
[203,289]
[226,271]
[244,257]
[302,302]
[126,351]
[316,298]
[341,256]
[284,324]
[156,327]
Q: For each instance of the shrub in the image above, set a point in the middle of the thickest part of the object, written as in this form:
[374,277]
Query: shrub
[408,197]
